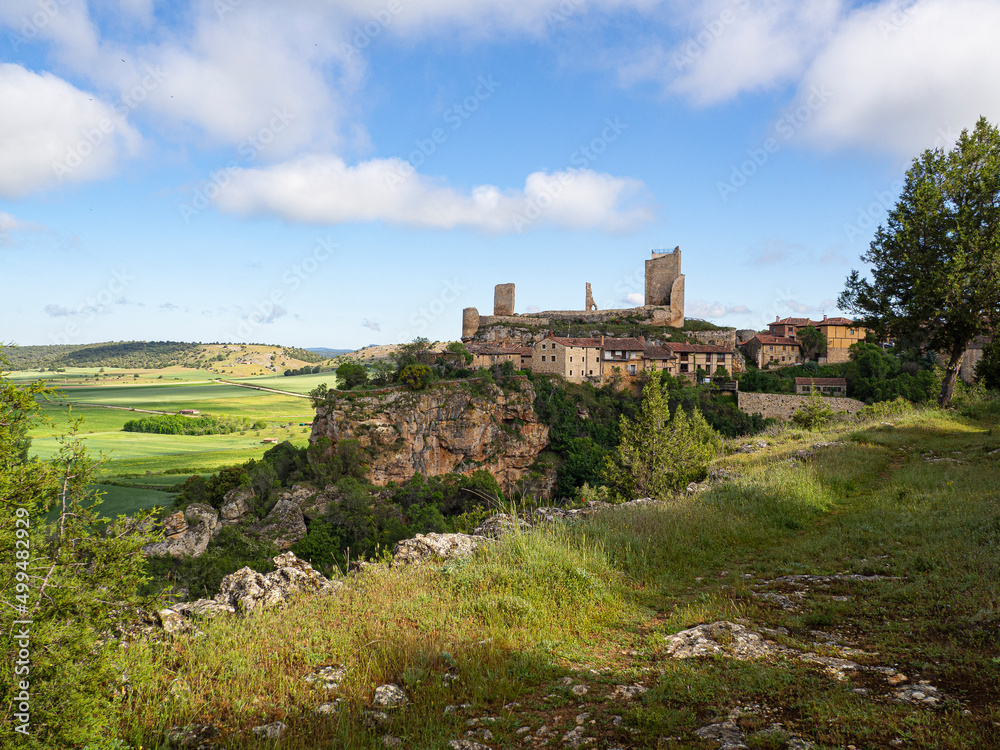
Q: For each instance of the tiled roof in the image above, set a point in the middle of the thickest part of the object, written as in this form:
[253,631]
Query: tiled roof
[821,381]
[792,322]
[624,345]
[698,348]
[491,349]
[766,339]
[835,322]
[525,351]
[658,352]
[587,343]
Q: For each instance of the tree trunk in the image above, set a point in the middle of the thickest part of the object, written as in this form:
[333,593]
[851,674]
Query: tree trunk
[950,376]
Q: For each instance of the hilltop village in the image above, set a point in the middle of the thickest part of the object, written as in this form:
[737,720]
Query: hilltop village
[663,341]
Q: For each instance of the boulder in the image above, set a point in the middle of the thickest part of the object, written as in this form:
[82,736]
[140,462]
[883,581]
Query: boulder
[284,525]
[426,547]
[200,525]
[499,525]
[201,514]
[235,504]
[247,590]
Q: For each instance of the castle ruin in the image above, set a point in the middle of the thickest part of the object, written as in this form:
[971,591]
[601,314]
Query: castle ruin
[664,301]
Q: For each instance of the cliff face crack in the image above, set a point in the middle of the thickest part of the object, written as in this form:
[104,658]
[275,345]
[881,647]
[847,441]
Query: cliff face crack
[443,429]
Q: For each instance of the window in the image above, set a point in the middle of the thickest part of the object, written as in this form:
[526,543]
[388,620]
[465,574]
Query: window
[631,369]
[684,368]
[571,359]
[571,373]
[543,346]
[590,372]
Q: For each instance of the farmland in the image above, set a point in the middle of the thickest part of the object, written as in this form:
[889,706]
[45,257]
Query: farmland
[140,469]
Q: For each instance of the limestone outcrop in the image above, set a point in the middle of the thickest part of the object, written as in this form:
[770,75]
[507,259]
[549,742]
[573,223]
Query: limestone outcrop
[235,504]
[284,525]
[187,533]
[427,547]
[247,590]
[453,427]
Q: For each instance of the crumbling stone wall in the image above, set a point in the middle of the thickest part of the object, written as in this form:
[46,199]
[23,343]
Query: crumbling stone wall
[782,406]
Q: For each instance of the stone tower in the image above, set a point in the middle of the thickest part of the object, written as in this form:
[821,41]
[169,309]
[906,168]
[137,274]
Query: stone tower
[503,299]
[661,272]
[470,322]
[590,304]
[665,284]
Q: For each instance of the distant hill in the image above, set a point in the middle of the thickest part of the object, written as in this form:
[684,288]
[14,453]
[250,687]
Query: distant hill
[229,359]
[328,352]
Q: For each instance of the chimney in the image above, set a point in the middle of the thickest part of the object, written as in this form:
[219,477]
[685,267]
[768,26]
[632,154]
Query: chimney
[777,318]
[602,340]
[642,339]
[824,317]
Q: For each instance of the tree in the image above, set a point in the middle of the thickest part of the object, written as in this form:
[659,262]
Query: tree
[814,412]
[70,589]
[812,340]
[411,354]
[457,347]
[936,264]
[351,375]
[659,453]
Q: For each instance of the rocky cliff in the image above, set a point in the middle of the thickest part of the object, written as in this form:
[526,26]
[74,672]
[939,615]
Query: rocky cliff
[448,427]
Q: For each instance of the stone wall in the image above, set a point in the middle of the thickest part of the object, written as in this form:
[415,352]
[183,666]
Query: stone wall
[726,337]
[782,406]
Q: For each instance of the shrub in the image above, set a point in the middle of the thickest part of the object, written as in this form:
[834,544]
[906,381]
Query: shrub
[416,377]
[814,413]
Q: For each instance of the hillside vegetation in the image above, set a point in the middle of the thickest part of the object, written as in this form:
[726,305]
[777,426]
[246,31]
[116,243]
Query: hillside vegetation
[867,557]
[234,359]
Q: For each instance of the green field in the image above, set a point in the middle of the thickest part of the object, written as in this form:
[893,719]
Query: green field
[127,455]
[293,383]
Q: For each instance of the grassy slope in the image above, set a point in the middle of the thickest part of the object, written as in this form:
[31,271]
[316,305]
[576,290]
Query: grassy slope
[594,602]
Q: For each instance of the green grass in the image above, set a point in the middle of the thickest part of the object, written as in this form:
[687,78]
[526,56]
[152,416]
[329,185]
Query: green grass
[293,384]
[595,600]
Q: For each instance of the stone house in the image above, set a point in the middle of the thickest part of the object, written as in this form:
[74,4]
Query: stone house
[487,355]
[766,350]
[576,359]
[622,357]
[840,333]
[686,359]
[826,386]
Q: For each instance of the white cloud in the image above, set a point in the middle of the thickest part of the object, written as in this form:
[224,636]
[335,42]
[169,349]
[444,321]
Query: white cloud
[635,299]
[375,325]
[825,306]
[906,80]
[10,223]
[52,132]
[732,46]
[702,309]
[322,189]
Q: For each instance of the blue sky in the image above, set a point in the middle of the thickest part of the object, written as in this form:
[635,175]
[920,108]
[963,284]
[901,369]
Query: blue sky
[319,173]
